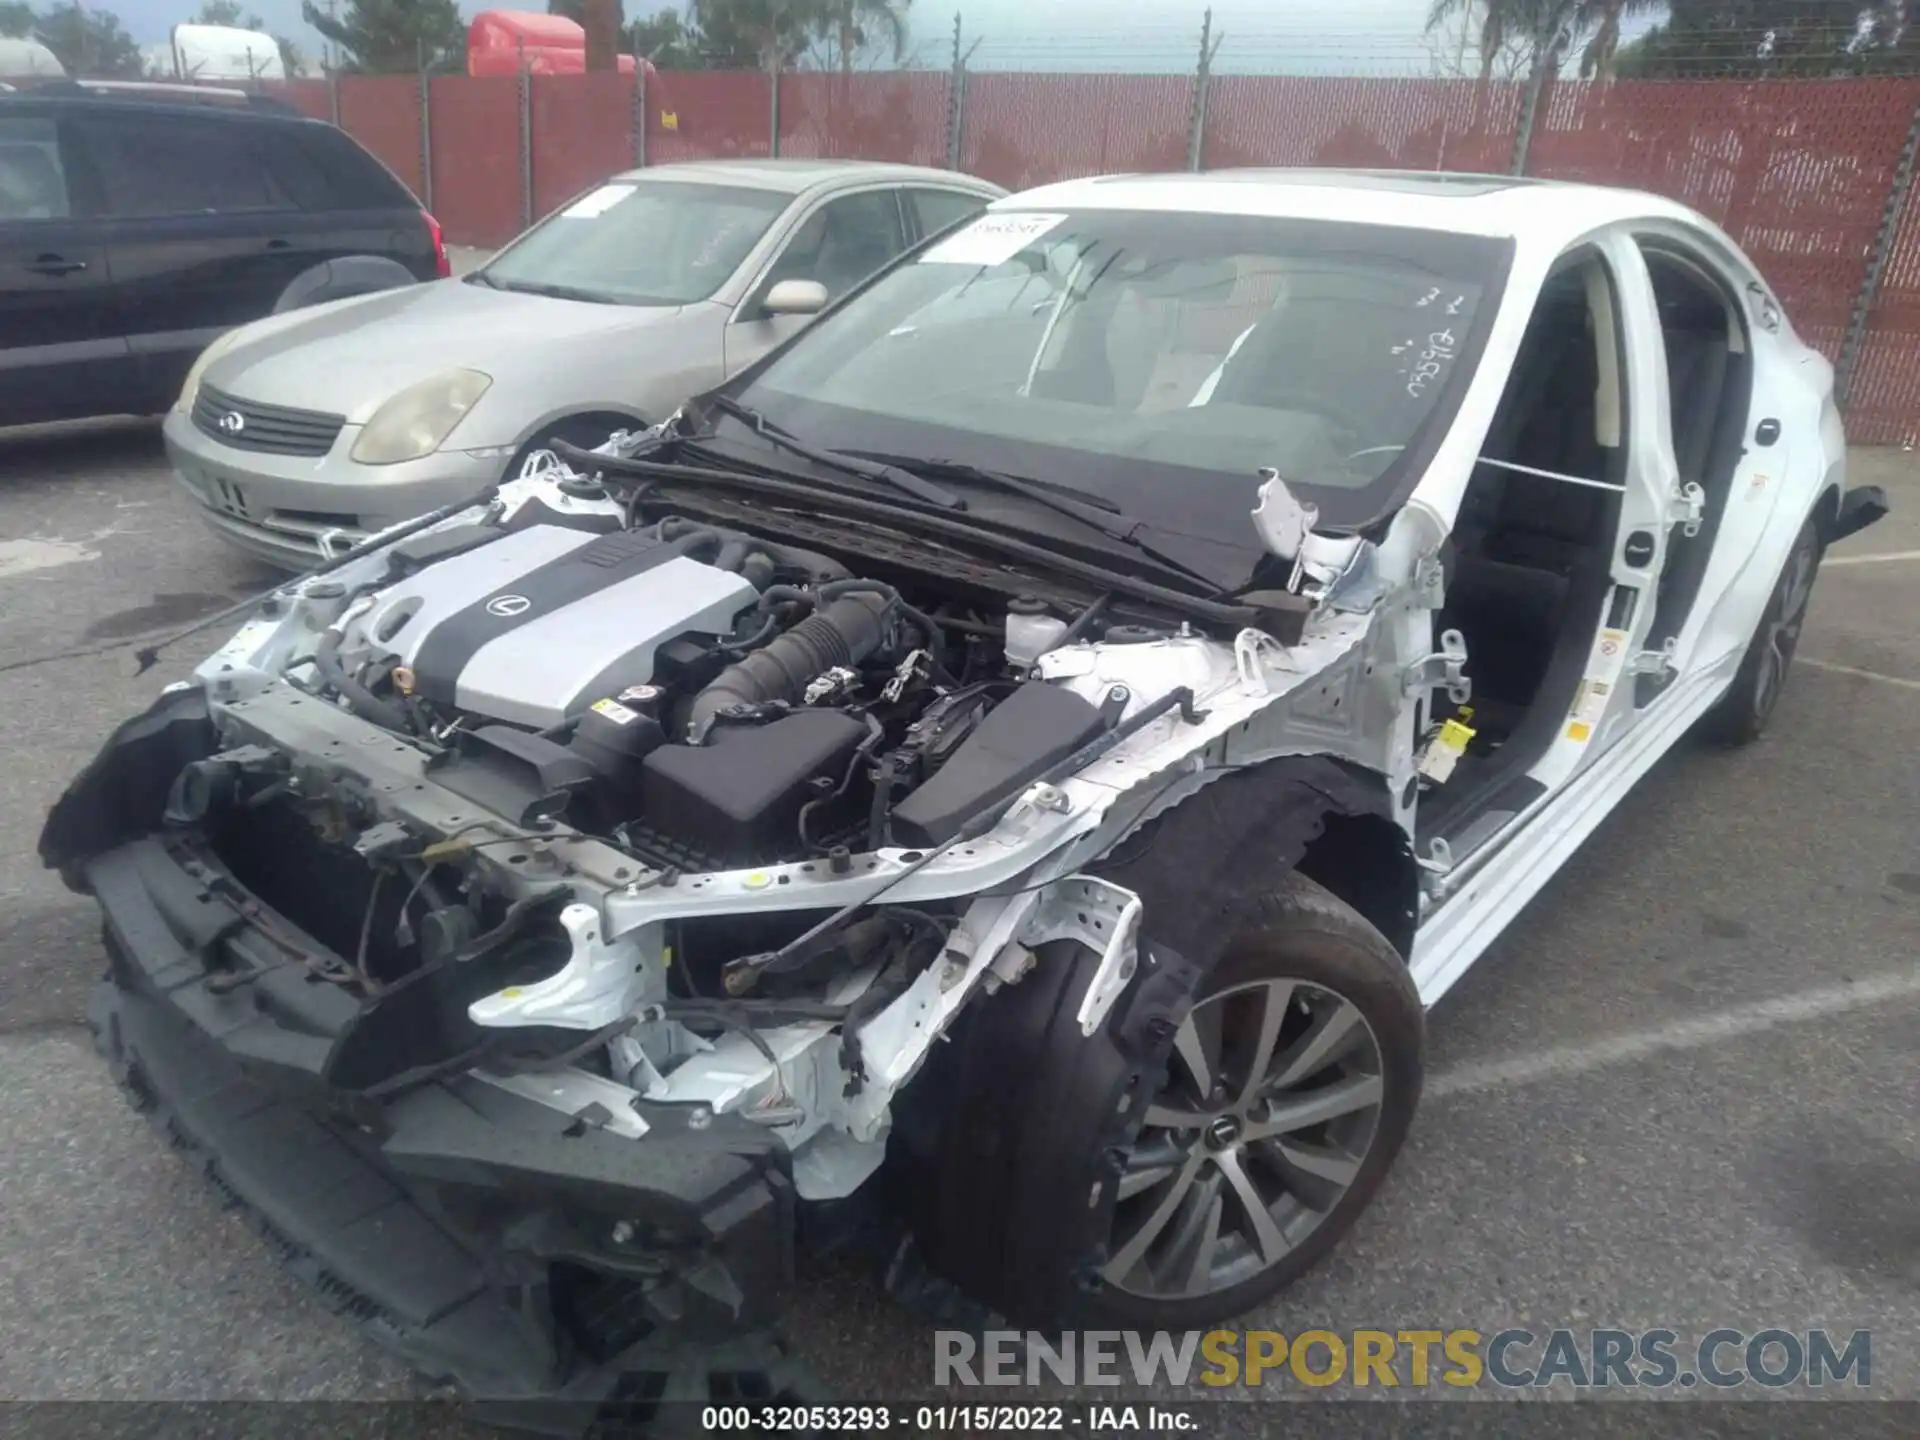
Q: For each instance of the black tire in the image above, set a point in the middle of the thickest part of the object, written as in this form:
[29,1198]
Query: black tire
[1740,716]
[1308,934]
[1010,1184]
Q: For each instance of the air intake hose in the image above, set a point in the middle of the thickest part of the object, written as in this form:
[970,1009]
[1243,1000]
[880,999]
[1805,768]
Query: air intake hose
[843,632]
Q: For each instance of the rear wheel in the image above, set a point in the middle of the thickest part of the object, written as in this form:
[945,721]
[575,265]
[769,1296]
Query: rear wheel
[1741,714]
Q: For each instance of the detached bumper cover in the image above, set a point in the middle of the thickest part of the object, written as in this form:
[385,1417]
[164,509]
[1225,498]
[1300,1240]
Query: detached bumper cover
[468,1228]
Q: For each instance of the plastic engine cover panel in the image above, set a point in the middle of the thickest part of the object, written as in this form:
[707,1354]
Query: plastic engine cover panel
[539,624]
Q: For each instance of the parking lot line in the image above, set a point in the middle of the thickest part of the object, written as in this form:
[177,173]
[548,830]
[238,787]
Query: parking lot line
[1882,557]
[1829,665]
[1690,1034]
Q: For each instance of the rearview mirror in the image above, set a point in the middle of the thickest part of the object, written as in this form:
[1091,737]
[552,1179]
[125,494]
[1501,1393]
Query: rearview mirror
[795,297]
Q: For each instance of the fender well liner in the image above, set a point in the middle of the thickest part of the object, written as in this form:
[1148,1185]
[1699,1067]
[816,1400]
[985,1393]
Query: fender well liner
[1266,817]
[121,793]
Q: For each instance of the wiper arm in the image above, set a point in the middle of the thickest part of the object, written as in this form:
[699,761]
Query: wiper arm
[552,292]
[887,474]
[1106,518]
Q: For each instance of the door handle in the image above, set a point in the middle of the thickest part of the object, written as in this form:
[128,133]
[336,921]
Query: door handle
[279,244]
[55,265]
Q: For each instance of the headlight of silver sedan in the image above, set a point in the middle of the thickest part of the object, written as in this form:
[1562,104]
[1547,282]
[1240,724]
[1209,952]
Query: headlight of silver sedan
[414,422]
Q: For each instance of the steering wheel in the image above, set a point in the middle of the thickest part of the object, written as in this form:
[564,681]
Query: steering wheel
[1372,450]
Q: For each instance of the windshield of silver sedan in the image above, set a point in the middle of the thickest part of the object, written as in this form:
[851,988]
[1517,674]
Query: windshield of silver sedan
[1136,354]
[631,242]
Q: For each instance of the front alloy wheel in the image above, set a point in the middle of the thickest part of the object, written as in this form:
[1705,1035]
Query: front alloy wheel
[1271,1106]
[1290,1087]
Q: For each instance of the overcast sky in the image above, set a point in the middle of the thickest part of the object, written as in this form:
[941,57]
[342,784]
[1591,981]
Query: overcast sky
[1310,35]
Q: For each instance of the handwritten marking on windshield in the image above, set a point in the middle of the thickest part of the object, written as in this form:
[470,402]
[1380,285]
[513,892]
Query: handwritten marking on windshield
[1430,361]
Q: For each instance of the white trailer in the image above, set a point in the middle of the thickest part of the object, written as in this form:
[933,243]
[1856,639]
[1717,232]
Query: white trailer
[24,59]
[225,52]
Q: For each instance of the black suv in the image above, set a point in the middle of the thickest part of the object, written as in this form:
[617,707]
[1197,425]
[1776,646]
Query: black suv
[139,222]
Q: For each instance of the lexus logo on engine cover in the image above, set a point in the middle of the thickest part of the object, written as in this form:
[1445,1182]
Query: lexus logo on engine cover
[233,422]
[508,605]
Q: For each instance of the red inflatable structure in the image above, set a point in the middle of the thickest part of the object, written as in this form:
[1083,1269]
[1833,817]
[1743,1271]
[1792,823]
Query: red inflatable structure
[502,42]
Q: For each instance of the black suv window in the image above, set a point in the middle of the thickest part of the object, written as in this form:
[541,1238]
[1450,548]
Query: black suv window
[33,181]
[151,165]
[359,182]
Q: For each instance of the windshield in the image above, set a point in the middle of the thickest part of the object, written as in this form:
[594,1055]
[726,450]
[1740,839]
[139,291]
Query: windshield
[640,243]
[1159,360]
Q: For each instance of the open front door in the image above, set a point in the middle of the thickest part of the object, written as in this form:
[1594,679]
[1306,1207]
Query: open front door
[1722,444]
[1558,545]
[1627,643]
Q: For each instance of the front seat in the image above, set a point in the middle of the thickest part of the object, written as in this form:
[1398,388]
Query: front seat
[848,254]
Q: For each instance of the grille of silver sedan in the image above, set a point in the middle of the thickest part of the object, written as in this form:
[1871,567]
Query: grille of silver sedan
[274,429]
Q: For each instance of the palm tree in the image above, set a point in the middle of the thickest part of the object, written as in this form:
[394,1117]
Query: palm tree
[1494,15]
[1603,18]
[853,24]
[1542,28]
[776,29]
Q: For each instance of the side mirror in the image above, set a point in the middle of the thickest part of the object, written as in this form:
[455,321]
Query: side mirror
[795,297]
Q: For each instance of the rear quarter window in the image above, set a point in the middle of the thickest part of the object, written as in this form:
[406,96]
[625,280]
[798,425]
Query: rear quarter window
[357,180]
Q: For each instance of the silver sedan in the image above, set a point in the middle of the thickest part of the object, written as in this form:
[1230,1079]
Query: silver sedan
[298,434]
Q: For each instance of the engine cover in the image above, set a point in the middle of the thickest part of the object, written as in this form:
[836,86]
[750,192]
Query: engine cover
[538,624]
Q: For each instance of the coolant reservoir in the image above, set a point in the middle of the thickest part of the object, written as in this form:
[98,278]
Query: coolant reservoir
[1031,632]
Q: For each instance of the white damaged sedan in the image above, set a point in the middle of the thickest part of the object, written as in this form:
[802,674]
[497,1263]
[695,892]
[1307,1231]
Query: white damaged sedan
[1152,640]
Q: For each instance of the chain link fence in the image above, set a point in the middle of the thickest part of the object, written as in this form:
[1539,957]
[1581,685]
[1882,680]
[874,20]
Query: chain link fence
[1811,174]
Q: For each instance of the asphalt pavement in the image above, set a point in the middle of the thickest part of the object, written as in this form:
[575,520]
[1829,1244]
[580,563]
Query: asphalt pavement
[1681,1092]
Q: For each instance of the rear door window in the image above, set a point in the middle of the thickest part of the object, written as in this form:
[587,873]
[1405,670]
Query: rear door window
[154,166]
[297,172]
[33,179]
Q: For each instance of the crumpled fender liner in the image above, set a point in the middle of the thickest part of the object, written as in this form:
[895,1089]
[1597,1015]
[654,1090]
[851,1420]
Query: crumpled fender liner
[122,791]
[1001,1142]
[1259,821]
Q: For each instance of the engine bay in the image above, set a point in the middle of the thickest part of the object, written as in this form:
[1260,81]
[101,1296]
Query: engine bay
[701,697]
